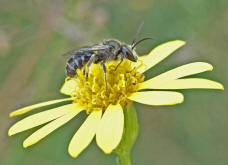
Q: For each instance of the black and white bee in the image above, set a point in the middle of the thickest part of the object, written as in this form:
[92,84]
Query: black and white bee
[108,50]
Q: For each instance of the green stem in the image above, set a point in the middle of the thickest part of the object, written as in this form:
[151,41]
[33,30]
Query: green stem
[125,159]
[131,129]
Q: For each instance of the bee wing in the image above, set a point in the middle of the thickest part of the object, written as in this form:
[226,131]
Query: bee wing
[95,48]
[87,48]
[72,52]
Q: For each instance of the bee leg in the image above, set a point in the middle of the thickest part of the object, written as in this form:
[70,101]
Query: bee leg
[105,74]
[91,60]
[121,60]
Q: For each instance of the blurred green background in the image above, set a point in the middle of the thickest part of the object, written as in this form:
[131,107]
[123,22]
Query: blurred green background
[35,33]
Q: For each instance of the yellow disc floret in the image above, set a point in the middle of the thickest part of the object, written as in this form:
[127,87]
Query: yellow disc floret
[92,93]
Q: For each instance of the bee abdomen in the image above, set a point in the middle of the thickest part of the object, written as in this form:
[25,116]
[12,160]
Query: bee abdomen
[77,62]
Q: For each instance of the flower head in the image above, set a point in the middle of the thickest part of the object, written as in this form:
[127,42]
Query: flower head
[93,94]
[104,106]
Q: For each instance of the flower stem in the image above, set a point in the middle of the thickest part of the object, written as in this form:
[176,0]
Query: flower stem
[125,159]
[131,129]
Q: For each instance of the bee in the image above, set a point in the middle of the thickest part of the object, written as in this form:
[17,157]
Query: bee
[108,50]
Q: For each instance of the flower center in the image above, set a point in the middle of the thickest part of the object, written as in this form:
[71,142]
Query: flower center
[121,82]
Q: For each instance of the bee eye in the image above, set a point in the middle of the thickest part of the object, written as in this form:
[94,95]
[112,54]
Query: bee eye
[128,54]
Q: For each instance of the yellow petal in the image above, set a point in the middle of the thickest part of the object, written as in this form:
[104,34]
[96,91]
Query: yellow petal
[110,129]
[182,71]
[47,129]
[159,53]
[188,83]
[42,117]
[157,97]
[68,87]
[31,107]
[85,134]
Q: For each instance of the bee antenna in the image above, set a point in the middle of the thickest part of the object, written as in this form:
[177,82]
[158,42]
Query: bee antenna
[137,33]
[147,38]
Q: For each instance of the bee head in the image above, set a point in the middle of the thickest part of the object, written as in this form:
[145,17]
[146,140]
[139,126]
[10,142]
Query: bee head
[128,53]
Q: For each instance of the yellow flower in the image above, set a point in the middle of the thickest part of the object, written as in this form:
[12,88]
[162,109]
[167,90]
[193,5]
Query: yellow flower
[105,106]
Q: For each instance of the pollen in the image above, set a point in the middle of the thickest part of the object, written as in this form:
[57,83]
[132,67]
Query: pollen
[92,93]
